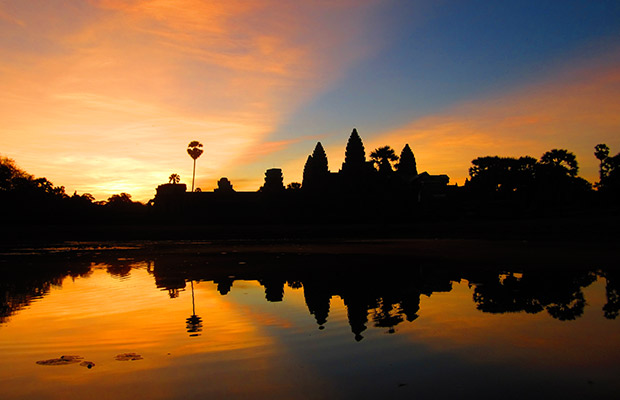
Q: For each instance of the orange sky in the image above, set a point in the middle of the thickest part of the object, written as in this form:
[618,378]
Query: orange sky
[104,96]
[110,100]
[575,111]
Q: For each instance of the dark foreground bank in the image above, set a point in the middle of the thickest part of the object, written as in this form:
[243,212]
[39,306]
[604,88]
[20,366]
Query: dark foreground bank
[591,227]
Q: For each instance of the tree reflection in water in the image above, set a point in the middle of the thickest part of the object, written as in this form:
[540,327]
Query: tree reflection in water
[612,290]
[558,293]
[194,322]
[382,297]
[20,285]
[120,268]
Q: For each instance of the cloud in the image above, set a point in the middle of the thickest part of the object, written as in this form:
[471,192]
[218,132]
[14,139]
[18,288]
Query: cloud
[120,87]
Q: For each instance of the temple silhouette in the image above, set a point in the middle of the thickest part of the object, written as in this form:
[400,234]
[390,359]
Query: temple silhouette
[380,190]
[360,186]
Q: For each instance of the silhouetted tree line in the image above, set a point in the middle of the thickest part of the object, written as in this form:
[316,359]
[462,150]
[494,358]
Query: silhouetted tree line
[527,182]
[26,199]
[386,188]
[507,184]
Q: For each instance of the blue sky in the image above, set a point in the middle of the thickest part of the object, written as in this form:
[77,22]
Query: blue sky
[459,51]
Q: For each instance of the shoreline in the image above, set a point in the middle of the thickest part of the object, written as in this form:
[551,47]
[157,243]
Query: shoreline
[394,254]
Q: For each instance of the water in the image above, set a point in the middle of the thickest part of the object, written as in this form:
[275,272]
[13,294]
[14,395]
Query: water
[211,321]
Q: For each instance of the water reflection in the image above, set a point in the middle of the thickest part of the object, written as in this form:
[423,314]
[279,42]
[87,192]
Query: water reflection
[385,300]
[382,299]
[311,325]
[533,291]
[20,284]
[375,297]
[119,268]
[194,322]
[612,290]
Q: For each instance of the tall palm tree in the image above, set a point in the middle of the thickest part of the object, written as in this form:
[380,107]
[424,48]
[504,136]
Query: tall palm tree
[194,150]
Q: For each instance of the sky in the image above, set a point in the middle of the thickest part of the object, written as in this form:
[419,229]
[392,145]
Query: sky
[103,96]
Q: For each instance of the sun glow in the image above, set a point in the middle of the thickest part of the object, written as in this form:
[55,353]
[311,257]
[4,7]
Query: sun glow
[108,102]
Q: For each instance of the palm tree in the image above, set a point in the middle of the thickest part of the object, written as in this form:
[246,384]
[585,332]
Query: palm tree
[383,158]
[174,179]
[194,150]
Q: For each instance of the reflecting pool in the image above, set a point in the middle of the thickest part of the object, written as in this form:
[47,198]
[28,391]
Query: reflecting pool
[357,321]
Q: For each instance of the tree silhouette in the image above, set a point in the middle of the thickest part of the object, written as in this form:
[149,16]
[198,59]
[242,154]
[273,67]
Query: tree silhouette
[10,174]
[502,174]
[88,197]
[174,179]
[194,150]
[293,186]
[612,289]
[557,180]
[13,179]
[119,199]
[601,152]
[611,181]
[561,159]
[407,164]
[383,158]
[355,155]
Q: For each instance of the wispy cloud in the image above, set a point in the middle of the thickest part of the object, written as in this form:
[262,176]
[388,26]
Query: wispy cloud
[120,87]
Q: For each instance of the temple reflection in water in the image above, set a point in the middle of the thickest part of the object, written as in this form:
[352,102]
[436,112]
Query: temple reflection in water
[397,320]
[378,291]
